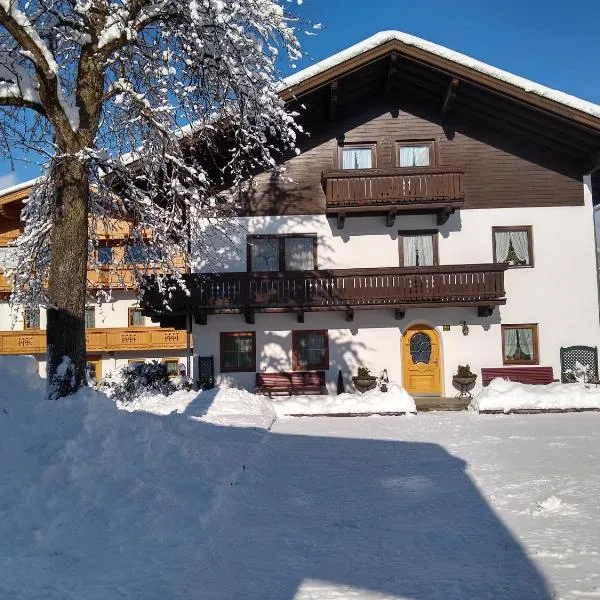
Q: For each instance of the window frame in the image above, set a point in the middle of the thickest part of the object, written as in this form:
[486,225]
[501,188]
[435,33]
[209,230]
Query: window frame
[166,361]
[367,145]
[112,255]
[433,161]
[281,241]
[535,360]
[528,229]
[223,368]
[88,309]
[296,333]
[130,310]
[26,320]
[434,233]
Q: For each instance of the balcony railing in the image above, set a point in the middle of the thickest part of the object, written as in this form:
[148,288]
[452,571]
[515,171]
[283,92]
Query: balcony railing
[452,285]
[33,341]
[393,190]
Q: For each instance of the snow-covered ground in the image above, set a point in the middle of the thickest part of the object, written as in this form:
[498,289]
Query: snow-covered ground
[99,503]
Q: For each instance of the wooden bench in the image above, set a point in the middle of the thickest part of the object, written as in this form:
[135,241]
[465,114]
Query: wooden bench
[297,382]
[532,375]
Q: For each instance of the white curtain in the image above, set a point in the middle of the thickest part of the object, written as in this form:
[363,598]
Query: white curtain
[357,158]
[265,254]
[7,258]
[526,341]
[299,254]
[520,244]
[502,245]
[418,250]
[414,156]
[510,343]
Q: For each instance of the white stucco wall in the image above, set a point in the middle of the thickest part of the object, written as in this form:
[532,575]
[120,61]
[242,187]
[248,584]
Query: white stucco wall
[559,293]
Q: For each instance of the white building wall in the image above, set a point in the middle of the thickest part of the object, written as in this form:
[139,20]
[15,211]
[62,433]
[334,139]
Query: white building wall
[559,292]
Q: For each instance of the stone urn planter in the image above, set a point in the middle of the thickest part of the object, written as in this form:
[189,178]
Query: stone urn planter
[364,381]
[464,381]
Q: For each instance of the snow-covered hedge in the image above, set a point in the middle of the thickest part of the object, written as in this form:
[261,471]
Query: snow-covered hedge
[505,396]
[395,400]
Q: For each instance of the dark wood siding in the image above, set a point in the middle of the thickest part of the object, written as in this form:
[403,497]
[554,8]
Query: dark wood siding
[500,171]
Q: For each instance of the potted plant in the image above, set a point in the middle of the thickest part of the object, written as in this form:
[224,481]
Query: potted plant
[464,380]
[364,381]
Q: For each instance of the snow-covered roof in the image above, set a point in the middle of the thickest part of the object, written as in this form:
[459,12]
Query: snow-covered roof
[384,37]
[18,187]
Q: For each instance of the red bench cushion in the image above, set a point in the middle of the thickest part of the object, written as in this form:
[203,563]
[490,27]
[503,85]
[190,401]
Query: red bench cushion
[533,375]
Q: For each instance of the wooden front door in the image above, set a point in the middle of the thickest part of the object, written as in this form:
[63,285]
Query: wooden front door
[421,361]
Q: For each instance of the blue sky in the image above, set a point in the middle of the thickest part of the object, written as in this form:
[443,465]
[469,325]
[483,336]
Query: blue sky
[553,42]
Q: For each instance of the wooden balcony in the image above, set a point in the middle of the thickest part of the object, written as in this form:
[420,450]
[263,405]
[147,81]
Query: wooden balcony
[392,191]
[33,341]
[399,288]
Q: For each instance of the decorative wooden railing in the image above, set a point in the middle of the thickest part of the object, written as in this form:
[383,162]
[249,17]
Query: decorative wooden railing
[458,285]
[33,341]
[398,186]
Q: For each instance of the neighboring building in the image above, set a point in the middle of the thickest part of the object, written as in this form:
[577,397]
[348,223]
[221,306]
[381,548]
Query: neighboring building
[117,333]
[439,215]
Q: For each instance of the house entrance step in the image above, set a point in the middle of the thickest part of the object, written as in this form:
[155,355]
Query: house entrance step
[425,403]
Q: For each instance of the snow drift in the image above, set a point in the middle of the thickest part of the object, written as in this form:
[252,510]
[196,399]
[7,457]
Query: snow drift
[395,400]
[102,503]
[505,396]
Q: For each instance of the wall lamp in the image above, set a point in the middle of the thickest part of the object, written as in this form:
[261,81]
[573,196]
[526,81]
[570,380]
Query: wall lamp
[465,328]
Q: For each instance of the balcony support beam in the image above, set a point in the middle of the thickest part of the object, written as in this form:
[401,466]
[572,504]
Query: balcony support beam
[485,311]
[399,313]
[350,315]
[390,218]
[341,220]
[443,215]
[249,316]
[200,317]
[300,315]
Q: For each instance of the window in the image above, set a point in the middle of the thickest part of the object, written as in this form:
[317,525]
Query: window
[238,351]
[136,362]
[105,255]
[172,367]
[8,259]
[513,245]
[90,317]
[135,254]
[93,370]
[282,253]
[520,344]
[418,248]
[414,155]
[31,319]
[310,350]
[357,157]
[136,318]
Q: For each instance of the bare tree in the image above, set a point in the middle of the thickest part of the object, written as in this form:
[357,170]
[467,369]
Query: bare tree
[86,81]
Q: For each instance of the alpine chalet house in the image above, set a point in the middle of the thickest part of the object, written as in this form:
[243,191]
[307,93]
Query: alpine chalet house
[117,333]
[439,214]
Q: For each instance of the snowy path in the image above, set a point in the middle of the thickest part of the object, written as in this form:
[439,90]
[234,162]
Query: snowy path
[448,506]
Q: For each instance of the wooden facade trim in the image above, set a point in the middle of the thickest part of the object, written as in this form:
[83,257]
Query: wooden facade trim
[338,289]
[248,334]
[526,228]
[533,327]
[296,334]
[33,341]
[448,67]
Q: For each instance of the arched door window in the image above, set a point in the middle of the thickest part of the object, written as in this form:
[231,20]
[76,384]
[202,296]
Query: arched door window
[420,348]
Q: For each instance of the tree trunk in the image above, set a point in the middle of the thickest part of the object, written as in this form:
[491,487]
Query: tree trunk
[66,359]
